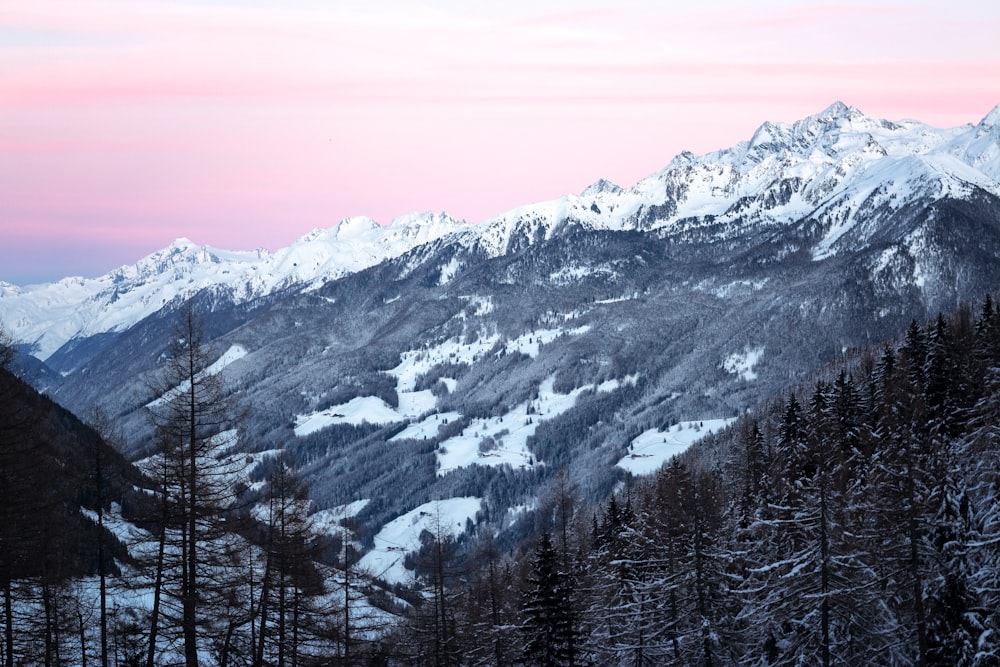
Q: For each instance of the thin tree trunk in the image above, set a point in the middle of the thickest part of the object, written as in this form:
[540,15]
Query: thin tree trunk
[8,612]
[281,612]
[702,597]
[265,591]
[56,634]
[253,608]
[824,574]
[191,593]
[918,587]
[227,645]
[347,608]
[83,640]
[100,557]
[47,606]
[295,626]
[158,584]
[495,608]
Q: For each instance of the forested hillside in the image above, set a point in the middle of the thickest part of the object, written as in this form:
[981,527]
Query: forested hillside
[193,556]
[856,521]
[57,476]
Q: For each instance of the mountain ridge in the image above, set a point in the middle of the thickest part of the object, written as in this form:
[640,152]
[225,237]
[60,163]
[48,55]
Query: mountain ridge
[823,165]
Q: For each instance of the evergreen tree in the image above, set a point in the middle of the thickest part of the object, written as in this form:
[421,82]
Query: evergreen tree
[550,623]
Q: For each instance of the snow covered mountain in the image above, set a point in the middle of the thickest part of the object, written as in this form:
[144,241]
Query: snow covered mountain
[47,316]
[836,168]
[432,360]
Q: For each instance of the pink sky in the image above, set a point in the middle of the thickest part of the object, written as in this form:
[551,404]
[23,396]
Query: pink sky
[127,123]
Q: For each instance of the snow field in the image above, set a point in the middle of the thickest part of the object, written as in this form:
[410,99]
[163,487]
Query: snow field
[652,448]
[417,362]
[619,299]
[415,404]
[327,522]
[426,428]
[369,409]
[448,271]
[482,305]
[742,363]
[441,518]
[506,437]
[568,275]
[531,343]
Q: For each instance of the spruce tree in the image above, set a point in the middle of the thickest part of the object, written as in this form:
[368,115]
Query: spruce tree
[550,623]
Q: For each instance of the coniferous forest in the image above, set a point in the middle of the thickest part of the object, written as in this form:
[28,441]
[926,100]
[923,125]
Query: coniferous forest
[855,520]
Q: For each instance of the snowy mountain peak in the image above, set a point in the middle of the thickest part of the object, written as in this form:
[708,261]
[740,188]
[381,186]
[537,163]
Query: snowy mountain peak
[425,223]
[825,128]
[767,134]
[992,119]
[601,186]
[355,226]
[839,111]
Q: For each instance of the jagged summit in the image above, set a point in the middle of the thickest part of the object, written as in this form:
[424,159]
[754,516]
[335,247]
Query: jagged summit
[354,227]
[600,186]
[992,119]
[840,111]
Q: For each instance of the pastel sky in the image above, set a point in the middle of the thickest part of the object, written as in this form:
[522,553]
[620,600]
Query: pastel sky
[241,124]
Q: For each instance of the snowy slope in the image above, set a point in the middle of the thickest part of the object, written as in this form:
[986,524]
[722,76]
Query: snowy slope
[838,167]
[651,449]
[441,518]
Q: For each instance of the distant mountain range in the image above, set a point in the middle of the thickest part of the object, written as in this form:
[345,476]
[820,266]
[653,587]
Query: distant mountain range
[835,168]
[432,359]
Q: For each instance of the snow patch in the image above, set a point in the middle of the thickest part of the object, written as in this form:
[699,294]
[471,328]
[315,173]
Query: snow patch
[366,409]
[503,440]
[742,363]
[735,288]
[651,449]
[440,518]
[530,343]
[619,299]
[448,271]
[416,362]
[427,428]
[328,521]
[480,305]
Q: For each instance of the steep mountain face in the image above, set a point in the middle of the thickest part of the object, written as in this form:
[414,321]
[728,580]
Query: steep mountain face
[457,361]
